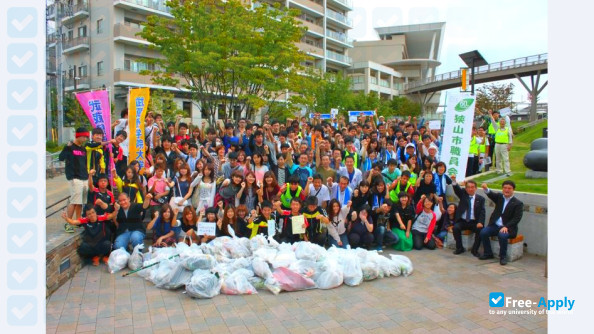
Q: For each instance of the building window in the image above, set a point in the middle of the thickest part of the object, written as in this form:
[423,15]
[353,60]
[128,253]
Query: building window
[100,26]
[187,107]
[82,71]
[70,35]
[82,31]
[100,68]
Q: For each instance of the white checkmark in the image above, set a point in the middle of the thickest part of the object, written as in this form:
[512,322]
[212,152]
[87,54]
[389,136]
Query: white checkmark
[22,168]
[20,25]
[20,134]
[22,312]
[20,278]
[495,301]
[20,206]
[20,241]
[20,61]
[20,97]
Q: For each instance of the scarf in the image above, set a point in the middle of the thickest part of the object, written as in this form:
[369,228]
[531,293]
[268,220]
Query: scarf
[347,195]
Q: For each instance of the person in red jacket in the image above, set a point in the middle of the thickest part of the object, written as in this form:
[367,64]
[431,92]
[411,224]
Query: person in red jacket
[422,229]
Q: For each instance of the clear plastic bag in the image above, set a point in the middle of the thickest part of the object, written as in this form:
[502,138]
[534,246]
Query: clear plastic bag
[305,268]
[331,275]
[198,261]
[351,268]
[118,260]
[136,259]
[308,251]
[284,257]
[370,269]
[174,277]
[203,285]
[292,281]
[266,253]
[237,249]
[257,242]
[237,284]
[404,263]
[261,268]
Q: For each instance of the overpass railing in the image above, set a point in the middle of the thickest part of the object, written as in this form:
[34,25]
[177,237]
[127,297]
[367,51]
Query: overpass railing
[494,67]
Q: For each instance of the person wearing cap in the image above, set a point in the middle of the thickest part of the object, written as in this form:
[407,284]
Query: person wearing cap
[74,156]
[433,152]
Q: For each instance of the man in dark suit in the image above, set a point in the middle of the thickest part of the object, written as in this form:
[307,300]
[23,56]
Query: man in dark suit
[470,215]
[504,220]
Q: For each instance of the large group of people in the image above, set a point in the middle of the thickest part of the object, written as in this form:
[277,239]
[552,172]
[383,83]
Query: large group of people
[375,183]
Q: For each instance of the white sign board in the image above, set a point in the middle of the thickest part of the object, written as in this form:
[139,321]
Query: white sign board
[334,112]
[504,112]
[207,229]
[457,133]
[435,125]
[271,227]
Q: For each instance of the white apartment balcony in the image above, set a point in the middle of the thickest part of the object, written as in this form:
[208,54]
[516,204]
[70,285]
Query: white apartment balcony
[51,39]
[312,28]
[342,4]
[75,12]
[74,45]
[312,50]
[145,7]
[130,78]
[77,83]
[309,7]
[338,19]
[340,39]
[338,58]
[126,34]
[50,12]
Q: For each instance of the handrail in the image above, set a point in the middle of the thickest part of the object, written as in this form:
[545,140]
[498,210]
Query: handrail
[499,66]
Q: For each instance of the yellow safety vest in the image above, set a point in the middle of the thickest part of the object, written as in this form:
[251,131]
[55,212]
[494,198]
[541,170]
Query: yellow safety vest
[483,147]
[502,136]
[286,197]
[355,158]
[491,129]
[473,146]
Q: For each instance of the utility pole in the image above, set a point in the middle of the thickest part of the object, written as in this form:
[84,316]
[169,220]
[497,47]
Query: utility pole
[60,83]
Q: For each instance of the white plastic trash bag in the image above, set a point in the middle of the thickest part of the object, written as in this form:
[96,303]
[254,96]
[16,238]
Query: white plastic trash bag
[404,263]
[351,268]
[308,251]
[118,260]
[177,277]
[261,268]
[198,261]
[237,284]
[203,285]
[331,275]
[136,259]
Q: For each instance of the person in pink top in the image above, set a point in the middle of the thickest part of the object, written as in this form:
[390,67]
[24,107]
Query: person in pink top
[159,186]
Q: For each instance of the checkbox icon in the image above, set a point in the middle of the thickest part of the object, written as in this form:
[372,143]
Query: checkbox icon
[22,94]
[21,238]
[22,202]
[21,131]
[21,22]
[22,166]
[22,310]
[22,58]
[496,299]
[22,274]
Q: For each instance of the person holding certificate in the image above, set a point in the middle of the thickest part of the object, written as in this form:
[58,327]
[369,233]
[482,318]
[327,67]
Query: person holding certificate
[292,224]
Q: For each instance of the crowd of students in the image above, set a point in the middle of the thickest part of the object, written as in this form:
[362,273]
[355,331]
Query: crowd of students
[373,184]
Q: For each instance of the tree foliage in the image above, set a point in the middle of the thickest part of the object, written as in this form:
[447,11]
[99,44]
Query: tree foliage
[225,53]
[403,106]
[73,113]
[162,102]
[494,97]
[320,92]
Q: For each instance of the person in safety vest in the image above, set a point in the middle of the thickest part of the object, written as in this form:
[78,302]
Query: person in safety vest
[503,143]
[291,190]
[472,154]
[317,230]
[401,184]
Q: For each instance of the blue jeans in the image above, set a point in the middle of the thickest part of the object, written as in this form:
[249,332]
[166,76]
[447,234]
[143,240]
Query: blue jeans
[343,237]
[382,234]
[491,231]
[134,237]
[441,235]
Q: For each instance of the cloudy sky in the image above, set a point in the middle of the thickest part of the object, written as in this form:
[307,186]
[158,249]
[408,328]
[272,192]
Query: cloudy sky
[500,30]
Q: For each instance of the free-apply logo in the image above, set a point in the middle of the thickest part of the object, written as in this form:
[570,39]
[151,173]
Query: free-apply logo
[496,299]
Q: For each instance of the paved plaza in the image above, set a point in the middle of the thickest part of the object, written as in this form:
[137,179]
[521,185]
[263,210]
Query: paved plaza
[446,293]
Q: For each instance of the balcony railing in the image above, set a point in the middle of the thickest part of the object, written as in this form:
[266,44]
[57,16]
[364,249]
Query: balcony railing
[158,5]
[81,82]
[342,37]
[339,17]
[346,3]
[128,31]
[339,57]
[78,41]
[51,38]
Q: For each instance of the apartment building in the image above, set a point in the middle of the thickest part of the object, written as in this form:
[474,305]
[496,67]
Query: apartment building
[401,54]
[97,44]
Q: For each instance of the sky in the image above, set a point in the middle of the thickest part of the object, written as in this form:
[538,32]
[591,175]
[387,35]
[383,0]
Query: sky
[500,30]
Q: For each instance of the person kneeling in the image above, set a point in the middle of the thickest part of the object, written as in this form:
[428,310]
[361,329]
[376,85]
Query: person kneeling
[422,229]
[361,229]
[96,238]
[317,229]
[162,225]
[382,232]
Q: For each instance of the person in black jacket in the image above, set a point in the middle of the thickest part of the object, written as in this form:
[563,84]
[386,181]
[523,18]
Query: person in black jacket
[74,156]
[504,220]
[469,216]
[128,221]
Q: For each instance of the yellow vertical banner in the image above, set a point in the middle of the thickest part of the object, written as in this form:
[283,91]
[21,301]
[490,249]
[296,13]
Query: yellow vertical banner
[138,99]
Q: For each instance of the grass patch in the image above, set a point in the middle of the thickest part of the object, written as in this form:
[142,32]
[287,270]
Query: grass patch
[53,147]
[519,149]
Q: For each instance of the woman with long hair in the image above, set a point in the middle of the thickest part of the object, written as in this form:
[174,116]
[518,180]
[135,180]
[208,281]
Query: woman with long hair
[229,219]
[248,193]
[163,224]
[361,195]
[204,188]
[258,167]
[241,222]
[130,185]
[230,188]
[182,190]
[338,223]
[189,224]
[269,190]
[405,214]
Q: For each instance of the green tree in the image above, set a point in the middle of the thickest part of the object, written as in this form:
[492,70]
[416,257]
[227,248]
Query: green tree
[73,113]
[494,97]
[403,106]
[226,53]
[162,102]
[321,92]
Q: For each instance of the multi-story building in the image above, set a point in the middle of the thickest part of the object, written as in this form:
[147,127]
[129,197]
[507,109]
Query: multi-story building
[402,54]
[96,43]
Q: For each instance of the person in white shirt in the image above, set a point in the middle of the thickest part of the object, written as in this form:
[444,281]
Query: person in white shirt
[316,188]
[351,173]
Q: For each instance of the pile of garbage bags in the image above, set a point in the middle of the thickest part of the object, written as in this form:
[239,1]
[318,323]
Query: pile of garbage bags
[240,266]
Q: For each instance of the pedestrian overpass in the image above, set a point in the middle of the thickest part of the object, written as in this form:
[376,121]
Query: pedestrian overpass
[532,66]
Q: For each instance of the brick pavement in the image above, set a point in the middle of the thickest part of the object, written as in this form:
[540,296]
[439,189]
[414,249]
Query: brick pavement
[445,294]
